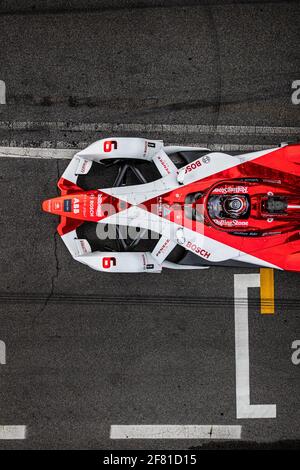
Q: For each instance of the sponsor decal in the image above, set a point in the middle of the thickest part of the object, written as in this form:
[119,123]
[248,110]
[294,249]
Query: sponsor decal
[230,189]
[192,166]
[271,181]
[159,206]
[164,164]
[198,250]
[83,167]
[163,210]
[163,247]
[107,262]
[99,212]
[92,205]
[84,205]
[76,205]
[231,223]
[67,205]
[266,234]
[83,246]
[247,234]
[147,145]
[149,266]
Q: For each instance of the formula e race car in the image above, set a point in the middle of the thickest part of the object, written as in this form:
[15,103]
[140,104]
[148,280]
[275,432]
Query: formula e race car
[179,207]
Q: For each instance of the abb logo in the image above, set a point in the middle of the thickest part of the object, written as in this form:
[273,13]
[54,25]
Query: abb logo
[192,166]
[110,145]
[76,205]
[108,262]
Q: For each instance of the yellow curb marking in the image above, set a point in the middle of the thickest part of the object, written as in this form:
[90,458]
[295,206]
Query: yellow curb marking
[267,306]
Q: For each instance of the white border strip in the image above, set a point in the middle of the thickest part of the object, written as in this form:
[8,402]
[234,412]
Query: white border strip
[12,432]
[39,153]
[2,92]
[242,364]
[140,127]
[167,431]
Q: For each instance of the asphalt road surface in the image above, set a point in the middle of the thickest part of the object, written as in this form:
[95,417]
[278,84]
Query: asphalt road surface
[84,350]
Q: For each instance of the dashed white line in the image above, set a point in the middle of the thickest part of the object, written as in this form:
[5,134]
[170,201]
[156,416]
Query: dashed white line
[7,431]
[167,431]
[35,152]
[2,352]
[243,407]
[2,92]
[12,432]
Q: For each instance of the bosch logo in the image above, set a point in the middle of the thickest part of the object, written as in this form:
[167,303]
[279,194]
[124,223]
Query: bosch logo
[198,250]
[92,205]
[192,166]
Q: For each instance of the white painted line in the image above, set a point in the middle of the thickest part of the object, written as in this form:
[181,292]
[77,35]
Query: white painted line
[2,352]
[167,431]
[32,152]
[46,152]
[180,129]
[244,409]
[2,92]
[12,432]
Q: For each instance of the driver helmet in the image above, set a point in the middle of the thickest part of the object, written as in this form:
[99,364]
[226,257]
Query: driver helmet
[235,205]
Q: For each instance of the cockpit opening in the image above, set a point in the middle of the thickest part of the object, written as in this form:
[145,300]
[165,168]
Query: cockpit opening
[233,206]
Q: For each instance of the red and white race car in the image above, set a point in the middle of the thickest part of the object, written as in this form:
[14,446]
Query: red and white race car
[189,207]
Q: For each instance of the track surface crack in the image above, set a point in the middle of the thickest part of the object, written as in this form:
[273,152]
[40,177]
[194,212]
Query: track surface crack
[54,277]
